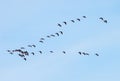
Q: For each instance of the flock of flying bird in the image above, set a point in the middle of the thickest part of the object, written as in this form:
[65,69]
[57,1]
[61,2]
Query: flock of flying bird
[23,53]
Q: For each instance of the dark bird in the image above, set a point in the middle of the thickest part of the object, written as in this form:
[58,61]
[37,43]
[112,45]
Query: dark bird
[59,25]
[78,19]
[34,45]
[57,34]
[26,53]
[65,23]
[21,55]
[52,35]
[33,53]
[40,52]
[8,51]
[105,21]
[64,52]
[101,18]
[84,16]
[61,32]
[25,59]
[84,53]
[73,21]
[51,52]
[87,54]
[29,45]
[22,48]
[48,36]
[97,54]
[80,53]
[41,41]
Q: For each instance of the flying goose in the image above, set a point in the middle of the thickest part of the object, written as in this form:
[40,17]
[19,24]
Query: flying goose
[65,23]
[59,25]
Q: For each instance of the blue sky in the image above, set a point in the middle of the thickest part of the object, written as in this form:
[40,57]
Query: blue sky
[24,22]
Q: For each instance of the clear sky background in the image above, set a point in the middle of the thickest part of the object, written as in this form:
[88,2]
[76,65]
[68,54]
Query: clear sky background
[24,22]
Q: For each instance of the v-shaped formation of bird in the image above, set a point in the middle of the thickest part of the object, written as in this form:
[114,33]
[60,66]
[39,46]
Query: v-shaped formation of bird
[23,53]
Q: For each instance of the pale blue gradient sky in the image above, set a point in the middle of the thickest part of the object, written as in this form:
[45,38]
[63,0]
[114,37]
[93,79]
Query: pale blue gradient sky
[23,22]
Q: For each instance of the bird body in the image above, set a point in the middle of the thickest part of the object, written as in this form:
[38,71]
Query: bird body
[59,25]
[73,21]
[65,22]
[78,19]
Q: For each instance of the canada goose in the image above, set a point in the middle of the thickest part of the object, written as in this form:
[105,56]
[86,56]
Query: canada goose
[73,21]
[34,45]
[48,36]
[52,35]
[40,52]
[59,25]
[51,51]
[84,53]
[33,53]
[80,53]
[41,41]
[101,18]
[65,23]
[105,21]
[84,16]
[29,45]
[22,48]
[61,32]
[97,54]
[64,52]
[57,34]
[78,19]
[21,55]
[25,59]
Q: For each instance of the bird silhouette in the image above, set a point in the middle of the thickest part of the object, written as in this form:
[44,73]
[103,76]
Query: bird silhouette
[52,35]
[29,45]
[84,16]
[73,21]
[105,21]
[48,36]
[78,19]
[64,52]
[57,34]
[25,59]
[51,52]
[101,18]
[59,25]
[61,32]
[80,53]
[41,41]
[40,52]
[33,53]
[34,45]
[84,53]
[22,48]
[65,22]
[97,54]
[21,55]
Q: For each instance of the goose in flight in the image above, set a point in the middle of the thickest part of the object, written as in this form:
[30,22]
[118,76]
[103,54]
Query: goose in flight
[57,34]
[48,36]
[34,45]
[64,52]
[84,16]
[40,52]
[78,19]
[80,53]
[101,18]
[73,21]
[21,55]
[59,25]
[25,59]
[61,32]
[33,53]
[29,45]
[52,35]
[51,52]
[41,41]
[105,21]
[22,48]
[97,54]
[65,23]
